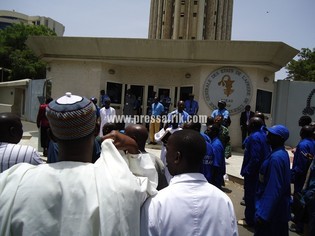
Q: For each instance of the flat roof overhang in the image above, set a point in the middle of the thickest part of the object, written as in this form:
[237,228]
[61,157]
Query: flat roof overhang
[271,56]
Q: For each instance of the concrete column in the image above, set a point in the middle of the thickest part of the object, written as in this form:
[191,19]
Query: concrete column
[229,21]
[152,22]
[167,27]
[220,17]
[176,19]
[200,19]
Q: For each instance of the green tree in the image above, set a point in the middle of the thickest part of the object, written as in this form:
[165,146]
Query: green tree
[303,69]
[17,61]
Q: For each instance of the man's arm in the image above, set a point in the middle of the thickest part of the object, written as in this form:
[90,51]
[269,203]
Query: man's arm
[139,164]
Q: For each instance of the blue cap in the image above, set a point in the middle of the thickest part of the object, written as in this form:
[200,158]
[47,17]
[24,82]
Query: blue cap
[279,130]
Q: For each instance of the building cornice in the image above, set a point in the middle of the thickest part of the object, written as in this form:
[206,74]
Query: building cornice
[174,53]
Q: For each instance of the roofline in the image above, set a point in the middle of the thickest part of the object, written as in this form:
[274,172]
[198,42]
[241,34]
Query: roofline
[270,55]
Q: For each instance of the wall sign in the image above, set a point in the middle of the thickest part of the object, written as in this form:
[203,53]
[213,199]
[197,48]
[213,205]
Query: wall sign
[229,84]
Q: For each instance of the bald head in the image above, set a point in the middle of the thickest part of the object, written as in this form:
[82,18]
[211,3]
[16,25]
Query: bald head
[307,131]
[180,106]
[255,123]
[139,133]
[260,115]
[10,128]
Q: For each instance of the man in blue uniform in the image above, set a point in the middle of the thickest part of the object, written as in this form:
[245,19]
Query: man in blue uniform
[273,191]
[222,111]
[191,105]
[256,150]
[300,167]
[218,163]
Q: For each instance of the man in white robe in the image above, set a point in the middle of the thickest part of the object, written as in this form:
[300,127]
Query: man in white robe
[75,197]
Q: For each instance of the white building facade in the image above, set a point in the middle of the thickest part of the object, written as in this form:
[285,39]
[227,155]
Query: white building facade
[239,72]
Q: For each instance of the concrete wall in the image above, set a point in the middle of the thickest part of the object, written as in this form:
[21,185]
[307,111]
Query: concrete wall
[291,101]
[88,78]
[21,97]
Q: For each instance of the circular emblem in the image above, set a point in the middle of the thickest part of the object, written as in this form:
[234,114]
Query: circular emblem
[231,85]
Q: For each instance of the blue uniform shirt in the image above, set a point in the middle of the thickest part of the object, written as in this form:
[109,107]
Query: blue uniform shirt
[256,150]
[208,159]
[301,163]
[224,112]
[157,109]
[273,189]
[191,107]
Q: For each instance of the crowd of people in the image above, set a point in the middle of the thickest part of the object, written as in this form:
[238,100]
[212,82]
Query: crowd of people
[100,180]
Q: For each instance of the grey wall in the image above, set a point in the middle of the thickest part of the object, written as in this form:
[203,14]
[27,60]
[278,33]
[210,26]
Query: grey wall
[34,90]
[291,100]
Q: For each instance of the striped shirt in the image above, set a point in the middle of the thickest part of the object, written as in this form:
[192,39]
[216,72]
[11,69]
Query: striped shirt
[11,154]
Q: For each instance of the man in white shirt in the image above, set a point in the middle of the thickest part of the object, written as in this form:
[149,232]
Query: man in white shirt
[11,152]
[189,205]
[107,114]
[74,196]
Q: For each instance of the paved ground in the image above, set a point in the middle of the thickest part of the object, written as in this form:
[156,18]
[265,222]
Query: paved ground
[233,187]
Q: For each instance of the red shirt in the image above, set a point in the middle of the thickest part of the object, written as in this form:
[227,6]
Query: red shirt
[42,120]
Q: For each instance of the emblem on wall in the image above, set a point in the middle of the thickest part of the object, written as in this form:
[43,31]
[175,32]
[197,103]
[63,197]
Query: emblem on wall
[229,84]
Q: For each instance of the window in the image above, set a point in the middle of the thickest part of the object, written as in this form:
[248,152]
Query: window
[114,91]
[263,101]
[183,2]
[182,14]
[195,2]
[184,92]
[194,14]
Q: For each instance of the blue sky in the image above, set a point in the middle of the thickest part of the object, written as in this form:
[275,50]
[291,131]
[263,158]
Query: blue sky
[289,21]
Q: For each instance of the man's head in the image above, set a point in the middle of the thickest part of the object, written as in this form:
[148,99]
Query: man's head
[72,120]
[191,96]
[247,108]
[213,131]
[107,103]
[277,135]
[139,133]
[255,123]
[210,121]
[11,130]
[260,115]
[180,106]
[94,100]
[221,104]
[185,152]
[192,125]
[108,127]
[305,120]
[307,131]
[71,117]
